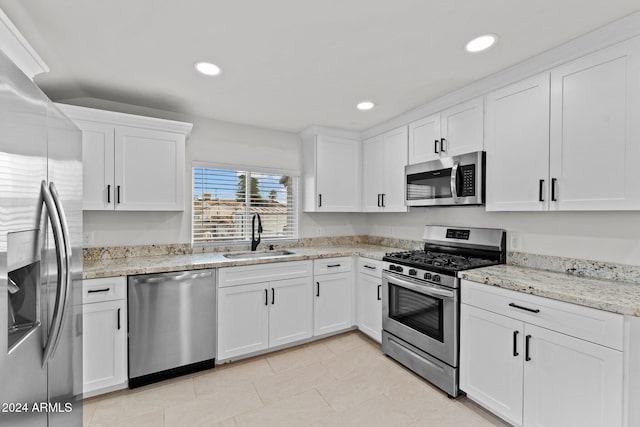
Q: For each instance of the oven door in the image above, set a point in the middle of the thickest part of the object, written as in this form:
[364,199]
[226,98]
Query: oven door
[422,314]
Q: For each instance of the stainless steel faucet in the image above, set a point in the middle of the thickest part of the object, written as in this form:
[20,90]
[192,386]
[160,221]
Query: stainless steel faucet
[255,242]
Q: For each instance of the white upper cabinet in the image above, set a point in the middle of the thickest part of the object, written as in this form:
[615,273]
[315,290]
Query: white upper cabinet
[461,128]
[568,140]
[332,173]
[424,139]
[149,169]
[98,159]
[454,131]
[130,163]
[384,158]
[517,145]
[595,131]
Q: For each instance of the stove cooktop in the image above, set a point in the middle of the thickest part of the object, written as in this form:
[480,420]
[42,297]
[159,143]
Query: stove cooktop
[437,261]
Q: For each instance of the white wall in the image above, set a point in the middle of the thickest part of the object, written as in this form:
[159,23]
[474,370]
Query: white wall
[603,236]
[216,142]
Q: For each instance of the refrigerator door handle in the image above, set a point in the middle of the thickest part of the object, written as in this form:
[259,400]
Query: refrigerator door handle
[67,260]
[54,329]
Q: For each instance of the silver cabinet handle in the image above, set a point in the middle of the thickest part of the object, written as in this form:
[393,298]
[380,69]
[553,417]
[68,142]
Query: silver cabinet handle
[370,267]
[97,291]
[333,265]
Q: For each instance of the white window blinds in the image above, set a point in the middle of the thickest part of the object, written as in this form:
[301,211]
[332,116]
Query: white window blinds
[225,201]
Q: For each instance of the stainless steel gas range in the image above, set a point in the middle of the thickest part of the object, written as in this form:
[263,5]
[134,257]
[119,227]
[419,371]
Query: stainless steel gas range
[421,299]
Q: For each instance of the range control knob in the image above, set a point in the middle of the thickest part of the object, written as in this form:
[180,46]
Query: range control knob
[399,269]
[392,267]
[435,278]
[427,276]
[412,272]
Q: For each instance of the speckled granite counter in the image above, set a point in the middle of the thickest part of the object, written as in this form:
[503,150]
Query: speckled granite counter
[609,295]
[160,264]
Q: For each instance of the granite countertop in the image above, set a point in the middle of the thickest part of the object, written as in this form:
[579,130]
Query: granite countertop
[161,264]
[608,295]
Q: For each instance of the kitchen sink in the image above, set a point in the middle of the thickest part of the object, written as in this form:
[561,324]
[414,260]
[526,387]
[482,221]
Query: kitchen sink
[258,255]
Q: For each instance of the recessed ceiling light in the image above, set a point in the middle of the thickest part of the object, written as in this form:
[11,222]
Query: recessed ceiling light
[207,68]
[365,105]
[481,43]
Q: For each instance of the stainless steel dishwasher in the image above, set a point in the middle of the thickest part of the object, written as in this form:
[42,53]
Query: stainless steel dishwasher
[172,325]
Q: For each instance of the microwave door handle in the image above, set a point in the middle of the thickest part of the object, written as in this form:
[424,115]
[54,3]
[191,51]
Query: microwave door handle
[454,182]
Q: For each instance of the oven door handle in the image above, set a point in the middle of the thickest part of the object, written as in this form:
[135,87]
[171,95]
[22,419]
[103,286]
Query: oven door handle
[426,290]
[454,182]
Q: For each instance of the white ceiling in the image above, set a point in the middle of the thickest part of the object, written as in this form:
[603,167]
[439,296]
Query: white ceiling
[289,63]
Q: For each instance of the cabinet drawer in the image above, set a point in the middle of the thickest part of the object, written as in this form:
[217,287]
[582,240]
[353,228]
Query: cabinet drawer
[597,326]
[371,267]
[332,265]
[104,289]
[243,275]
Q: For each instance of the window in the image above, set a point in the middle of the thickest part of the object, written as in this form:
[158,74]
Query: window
[224,205]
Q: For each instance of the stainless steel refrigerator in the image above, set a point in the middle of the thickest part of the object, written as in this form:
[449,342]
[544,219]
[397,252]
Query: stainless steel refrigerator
[40,257]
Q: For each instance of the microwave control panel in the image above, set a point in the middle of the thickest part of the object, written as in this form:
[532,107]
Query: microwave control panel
[468,173]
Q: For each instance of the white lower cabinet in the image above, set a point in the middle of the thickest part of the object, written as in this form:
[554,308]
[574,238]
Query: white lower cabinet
[243,320]
[569,381]
[489,372]
[256,316]
[104,340]
[369,298]
[333,306]
[537,376]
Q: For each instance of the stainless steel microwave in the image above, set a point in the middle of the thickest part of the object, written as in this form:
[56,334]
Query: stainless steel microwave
[448,181]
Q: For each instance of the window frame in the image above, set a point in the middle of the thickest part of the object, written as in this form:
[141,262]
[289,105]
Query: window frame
[295,176]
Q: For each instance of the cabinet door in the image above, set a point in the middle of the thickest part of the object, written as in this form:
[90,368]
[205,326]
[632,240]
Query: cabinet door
[104,345]
[394,160]
[290,311]
[332,303]
[595,105]
[517,144]
[243,319]
[98,167]
[462,128]
[149,169]
[373,162]
[338,174]
[491,355]
[370,305]
[424,139]
[571,382]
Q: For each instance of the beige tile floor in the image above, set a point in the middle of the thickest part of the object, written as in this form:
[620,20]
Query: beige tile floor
[339,381]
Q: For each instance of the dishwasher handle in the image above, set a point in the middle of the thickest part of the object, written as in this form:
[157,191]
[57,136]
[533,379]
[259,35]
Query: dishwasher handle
[171,277]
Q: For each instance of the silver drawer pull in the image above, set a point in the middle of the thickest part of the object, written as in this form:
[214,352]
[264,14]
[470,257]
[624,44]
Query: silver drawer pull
[95,291]
[333,265]
[369,267]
